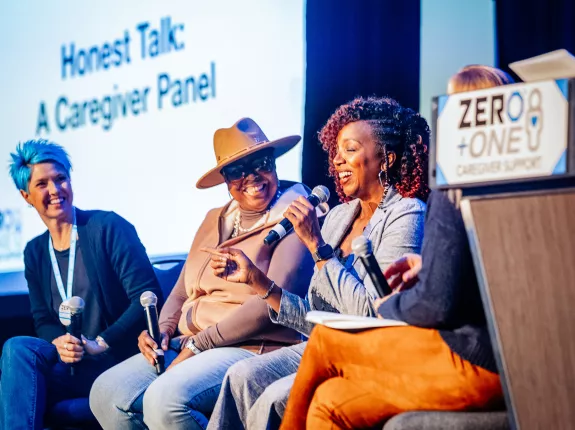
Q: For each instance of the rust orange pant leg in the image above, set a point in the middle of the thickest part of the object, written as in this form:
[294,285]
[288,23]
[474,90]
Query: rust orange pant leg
[388,371]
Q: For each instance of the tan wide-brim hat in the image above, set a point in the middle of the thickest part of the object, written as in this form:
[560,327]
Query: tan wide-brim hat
[240,140]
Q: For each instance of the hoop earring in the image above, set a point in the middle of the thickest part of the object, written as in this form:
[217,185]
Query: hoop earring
[384,186]
[381,172]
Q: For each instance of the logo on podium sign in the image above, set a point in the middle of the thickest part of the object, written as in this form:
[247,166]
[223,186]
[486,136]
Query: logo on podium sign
[505,133]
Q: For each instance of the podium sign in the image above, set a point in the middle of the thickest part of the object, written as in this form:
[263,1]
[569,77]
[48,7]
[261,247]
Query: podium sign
[503,134]
[511,149]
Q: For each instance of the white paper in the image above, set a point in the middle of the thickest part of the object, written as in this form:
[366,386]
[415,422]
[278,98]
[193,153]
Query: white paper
[349,322]
[552,65]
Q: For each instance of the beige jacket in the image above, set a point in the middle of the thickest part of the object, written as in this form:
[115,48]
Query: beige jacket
[221,313]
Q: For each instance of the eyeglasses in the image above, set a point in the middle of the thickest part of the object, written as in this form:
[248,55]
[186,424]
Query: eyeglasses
[239,171]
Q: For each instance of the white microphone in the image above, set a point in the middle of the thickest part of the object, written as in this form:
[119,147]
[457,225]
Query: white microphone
[319,194]
[149,301]
[70,314]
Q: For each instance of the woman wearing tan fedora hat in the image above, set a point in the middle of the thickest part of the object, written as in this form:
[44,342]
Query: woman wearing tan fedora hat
[208,323]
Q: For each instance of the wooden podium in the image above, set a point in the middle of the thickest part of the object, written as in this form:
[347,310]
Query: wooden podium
[524,251]
[511,152]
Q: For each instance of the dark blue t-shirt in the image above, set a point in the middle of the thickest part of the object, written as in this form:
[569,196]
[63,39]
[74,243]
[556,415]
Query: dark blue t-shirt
[93,322]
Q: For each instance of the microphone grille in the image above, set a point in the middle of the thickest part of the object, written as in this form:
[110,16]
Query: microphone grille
[322,193]
[148,298]
[76,304]
[361,246]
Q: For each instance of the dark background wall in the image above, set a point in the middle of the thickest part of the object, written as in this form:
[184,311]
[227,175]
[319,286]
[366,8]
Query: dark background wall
[356,48]
[526,28]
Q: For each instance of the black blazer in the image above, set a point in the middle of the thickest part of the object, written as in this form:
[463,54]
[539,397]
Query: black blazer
[117,266]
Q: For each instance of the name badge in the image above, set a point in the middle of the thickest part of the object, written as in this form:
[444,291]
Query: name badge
[65,314]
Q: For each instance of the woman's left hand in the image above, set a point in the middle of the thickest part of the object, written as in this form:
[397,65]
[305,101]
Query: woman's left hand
[184,354]
[92,347]
[302,215]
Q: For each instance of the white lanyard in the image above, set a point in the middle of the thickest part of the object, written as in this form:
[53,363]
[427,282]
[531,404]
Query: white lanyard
[72,258]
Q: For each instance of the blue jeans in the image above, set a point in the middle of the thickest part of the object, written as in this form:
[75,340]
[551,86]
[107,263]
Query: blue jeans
[33,379]
[254,392]
[132,396]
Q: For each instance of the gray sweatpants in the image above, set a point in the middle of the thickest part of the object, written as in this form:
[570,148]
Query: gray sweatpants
[254,392]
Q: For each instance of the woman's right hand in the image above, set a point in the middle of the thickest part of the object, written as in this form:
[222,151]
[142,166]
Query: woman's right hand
[148,346]
[402,274]
[69,348]
[233,265]
[303,216]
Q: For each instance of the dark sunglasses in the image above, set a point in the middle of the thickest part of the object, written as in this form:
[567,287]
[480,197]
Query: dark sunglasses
[235,172]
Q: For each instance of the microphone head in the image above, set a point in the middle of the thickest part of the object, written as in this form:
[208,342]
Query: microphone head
[68,308]
[322,193]
[148,298]
[361,246]
[76,304]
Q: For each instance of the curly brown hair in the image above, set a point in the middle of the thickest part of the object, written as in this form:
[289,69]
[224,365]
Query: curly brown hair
[395,128]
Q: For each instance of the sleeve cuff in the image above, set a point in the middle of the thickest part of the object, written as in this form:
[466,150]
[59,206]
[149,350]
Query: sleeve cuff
[168,329]
[385,310]
[289,306]
[177,343]
[112,335]
[202,340]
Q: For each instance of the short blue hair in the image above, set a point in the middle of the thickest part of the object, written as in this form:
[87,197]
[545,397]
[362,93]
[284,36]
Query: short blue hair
[36,152]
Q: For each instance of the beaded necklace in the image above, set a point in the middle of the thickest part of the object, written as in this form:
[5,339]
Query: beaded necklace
[238,229]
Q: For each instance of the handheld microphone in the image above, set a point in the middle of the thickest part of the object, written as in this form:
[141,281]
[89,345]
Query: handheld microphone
[149,300]
[319,194]
[361,246]
[70,314]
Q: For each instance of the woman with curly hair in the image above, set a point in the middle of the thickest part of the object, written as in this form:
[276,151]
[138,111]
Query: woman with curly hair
[442,361]
[378,157]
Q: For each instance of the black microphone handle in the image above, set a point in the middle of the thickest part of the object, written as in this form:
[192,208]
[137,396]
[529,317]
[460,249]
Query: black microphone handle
[152,321]
[75,329]
[154,330]
[286,223]
[314,200]
[376,275]
[273,237]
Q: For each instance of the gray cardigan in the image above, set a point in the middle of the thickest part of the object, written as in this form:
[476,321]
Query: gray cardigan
[394,229]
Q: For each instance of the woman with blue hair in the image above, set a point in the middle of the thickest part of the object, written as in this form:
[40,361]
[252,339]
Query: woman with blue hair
[95,255]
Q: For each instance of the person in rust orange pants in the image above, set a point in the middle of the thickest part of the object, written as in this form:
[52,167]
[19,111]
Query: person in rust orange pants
[442,361]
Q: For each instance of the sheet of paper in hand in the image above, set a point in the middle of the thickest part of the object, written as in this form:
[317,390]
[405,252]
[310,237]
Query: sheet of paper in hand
[349,322]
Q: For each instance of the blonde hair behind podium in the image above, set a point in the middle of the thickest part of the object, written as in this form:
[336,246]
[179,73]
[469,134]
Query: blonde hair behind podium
[477,77]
